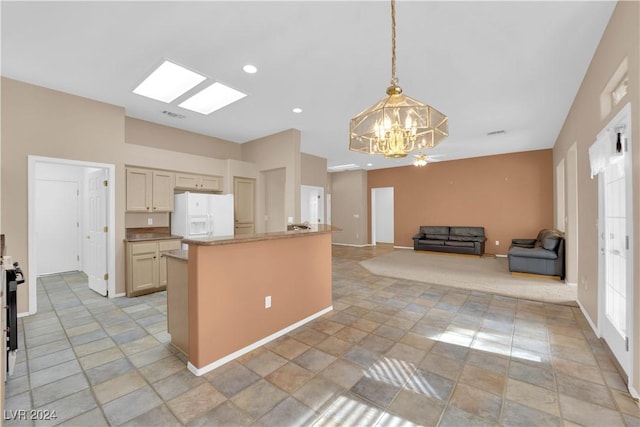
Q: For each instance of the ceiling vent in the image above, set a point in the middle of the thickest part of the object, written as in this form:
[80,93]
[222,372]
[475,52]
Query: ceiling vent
[497,132]
[174,115]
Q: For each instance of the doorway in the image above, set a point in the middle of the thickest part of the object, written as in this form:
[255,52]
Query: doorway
[382,216]
[311,204]
[69,202]
[244,199]
[615,243]
[571,232]
[561,219]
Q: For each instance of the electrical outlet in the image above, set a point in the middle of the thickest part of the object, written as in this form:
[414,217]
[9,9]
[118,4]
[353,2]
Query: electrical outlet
[497,242]
[267,301]
[149,221]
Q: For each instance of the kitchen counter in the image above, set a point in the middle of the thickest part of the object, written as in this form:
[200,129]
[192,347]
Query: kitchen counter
[226,240]
[229,295]
[142,237]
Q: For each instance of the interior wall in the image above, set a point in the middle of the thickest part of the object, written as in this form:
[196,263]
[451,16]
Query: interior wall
[149,134]
[620,40]
[510,195]
[44,122]
[313,171]
[281,150]
[349,207]
[274,182]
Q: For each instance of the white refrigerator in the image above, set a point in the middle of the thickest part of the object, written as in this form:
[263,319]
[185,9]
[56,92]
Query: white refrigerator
[202,215]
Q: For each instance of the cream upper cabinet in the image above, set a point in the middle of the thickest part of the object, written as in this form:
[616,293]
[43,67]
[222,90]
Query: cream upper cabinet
[210,183]
[163,184]
[149,190]
[139,182]
[187,181]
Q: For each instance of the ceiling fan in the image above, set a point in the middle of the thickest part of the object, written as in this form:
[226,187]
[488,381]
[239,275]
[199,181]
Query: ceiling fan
[422,159]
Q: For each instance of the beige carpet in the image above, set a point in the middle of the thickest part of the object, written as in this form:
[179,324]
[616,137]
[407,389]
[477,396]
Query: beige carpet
[486,274]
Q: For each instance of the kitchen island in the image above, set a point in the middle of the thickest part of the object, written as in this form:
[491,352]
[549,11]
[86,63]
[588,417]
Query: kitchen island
[244,291]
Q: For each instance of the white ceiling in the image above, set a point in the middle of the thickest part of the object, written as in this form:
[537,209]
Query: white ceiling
[513,66]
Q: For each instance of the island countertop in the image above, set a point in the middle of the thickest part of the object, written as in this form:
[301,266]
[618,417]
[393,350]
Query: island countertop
[226,240]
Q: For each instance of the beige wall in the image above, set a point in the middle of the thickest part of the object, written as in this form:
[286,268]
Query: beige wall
[510,195]
[281,150]
[313,170]
[149,134]
[43,122]
[349,207]
[621,39]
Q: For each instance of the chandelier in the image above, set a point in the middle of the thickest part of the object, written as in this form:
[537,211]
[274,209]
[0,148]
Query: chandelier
[397,124]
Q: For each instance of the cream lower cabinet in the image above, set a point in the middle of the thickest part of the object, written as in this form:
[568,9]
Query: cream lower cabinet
[178,303]
[146,267]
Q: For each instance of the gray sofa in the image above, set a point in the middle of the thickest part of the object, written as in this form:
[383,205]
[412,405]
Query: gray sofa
[542,255]
[459,240]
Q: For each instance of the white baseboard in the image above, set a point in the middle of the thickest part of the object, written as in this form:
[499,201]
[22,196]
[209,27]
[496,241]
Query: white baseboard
[349,244]
[403,247]
[251,347]
[500,256]
[595,329]
[121,294]
[633,392]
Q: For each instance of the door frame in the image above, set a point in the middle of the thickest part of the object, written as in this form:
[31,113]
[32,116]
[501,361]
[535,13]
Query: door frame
[32,205]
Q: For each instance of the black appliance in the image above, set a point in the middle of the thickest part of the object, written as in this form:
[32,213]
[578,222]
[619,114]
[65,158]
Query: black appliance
[14,277]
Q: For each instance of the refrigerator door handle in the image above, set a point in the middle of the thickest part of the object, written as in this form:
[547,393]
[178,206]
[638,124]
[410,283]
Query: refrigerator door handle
[209,224]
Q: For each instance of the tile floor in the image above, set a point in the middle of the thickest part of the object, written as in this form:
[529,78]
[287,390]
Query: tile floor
[392,353]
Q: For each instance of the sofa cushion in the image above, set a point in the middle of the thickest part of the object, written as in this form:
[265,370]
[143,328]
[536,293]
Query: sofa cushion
[550,240]
[538,252]
[437,236]
[467,231]
[458,244]
[431,242]
[467,238]
[434,230]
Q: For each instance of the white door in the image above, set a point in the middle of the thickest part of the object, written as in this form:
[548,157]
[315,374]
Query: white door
[57,226]
[312,204]
[614,248]
[382,219]
[95,263]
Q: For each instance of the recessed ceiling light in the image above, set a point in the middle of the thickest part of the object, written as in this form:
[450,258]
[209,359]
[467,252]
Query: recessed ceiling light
[369,164]
[297,110]
[168,82]
[250,69]
[212,98]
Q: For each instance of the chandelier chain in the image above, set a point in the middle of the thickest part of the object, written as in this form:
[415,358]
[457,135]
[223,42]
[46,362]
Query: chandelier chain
[394,80]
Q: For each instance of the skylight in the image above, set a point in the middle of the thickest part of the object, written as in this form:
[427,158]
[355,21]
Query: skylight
[168,82]
[212,98]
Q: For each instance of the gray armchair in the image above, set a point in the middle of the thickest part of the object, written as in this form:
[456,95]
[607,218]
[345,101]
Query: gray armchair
[542,255]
